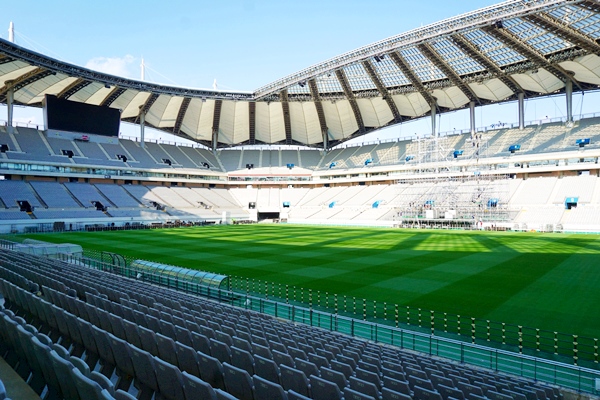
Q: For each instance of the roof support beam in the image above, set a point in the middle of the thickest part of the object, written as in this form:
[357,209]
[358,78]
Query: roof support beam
[506,37]
[412,77]
[472,51]
[590,5]
[112,96]
[216,123]
[73,88]
[285,106]
[383,90]
[563,31]
[16,84]
[146,106]
[314,91]
[341,75]
[428,51]
[181,114]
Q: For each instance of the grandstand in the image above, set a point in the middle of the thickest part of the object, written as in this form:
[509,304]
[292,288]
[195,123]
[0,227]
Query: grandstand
[279,154]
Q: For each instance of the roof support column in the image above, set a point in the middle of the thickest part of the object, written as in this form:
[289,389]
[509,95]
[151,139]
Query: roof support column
[472,115]
[10,98]
[569,95]
[521,110]
[142,127]
[433,115]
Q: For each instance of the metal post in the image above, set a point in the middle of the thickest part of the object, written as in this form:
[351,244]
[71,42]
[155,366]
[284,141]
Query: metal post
[335,303]
[10,98]
[396,308]
[142,126]
[445,322]
[472,330]
[432,313]
[521,103]
[575,351]
[433,115]
[472,115]
[520,339]
[569,96]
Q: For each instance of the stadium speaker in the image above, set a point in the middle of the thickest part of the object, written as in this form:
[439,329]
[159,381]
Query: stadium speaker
[3,148]
[205,165]
[122,157]
[167,161]
[251,205]
[249,166]
[68,153]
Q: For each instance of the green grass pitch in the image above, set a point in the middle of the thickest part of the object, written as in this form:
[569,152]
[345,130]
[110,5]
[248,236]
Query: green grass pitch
[546,281]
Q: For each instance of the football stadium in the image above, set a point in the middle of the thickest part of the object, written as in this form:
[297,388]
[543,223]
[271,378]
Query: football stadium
[261,251]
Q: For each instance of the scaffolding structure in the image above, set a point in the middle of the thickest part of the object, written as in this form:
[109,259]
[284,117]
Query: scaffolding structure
[452,196]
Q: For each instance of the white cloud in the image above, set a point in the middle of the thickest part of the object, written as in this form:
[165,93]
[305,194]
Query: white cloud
[120,66]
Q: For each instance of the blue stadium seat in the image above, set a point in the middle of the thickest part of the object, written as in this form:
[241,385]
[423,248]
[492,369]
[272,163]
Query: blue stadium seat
[307,367]
[220,350]
[264,389]
[242,359]
[293,379]
[388,394]
[187,359]
[170,382]
[87,388]
[334,376]
[351,394]
[363,386]
[238,382]
[145,370]
[266,368]
[447,391]
[324,390]
[426,394]
[166,348]
[196,389]
[211,370]
[200,343]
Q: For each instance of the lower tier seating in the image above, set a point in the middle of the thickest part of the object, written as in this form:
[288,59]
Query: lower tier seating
[73,332]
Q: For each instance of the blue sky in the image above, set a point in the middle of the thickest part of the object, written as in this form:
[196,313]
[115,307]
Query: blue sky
[243,44]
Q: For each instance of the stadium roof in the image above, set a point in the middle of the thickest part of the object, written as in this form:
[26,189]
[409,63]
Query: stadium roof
[485,56]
